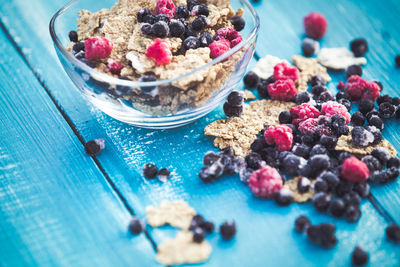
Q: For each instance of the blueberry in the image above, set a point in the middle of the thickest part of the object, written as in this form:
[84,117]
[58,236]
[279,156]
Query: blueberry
[365,106]
[396,101]
[162,17]
[235,98]
[343,188]
[386,110]
[376,133]
[251,80]
[201,9]
[146,29]
[232,111]
[73,36]
[346,103]
[343,95]
[149,170]
[375,121]
[227,230]
[81,56]
[270,155]
[78,47]
[262,87]
[352,199]
[382,154]
[397,113]
[302,97]
[190,32]
[285,117]
[198,235]
[303,185]
[337,207]
[393,173]
[163,174]
[320,185]
[352,214]
[283,197]
[362,189]
[200,23]
[142,13]
[182,12]
[212,172]
[191,43]
[207,226]
[359,257]
[136,226]
[292,164]
[309,47]
[372,163]
[317,80]
[331,179]
[238,23]
[357,119]
[397,60]
[151,19]
[176,28]
[210,157]
[319,162]
[321,201]
[310,138]
[359,47]
[322,235]
[191,4]
[343,155]
[393,162]
[318,89]
[393,233]
[383,98]
[205,39]
[301,150]
[361,137]
[147,78]
[353,70]
[244,174]
[94,147]
[258,144]
[325,97]
[252,160]
[160,29]
[301,224]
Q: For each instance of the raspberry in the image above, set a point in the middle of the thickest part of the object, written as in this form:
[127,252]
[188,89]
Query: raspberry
[315,25]
[283,90]
[303,112]
[355,86]
[309,125]
[281,135]
[340,85]
[97,48]
[331,108]
[354,170]
[229,34]
[219,47]
[114,67]
[160,52]
[283,71]
[372,91]
[166,7]
[265,182]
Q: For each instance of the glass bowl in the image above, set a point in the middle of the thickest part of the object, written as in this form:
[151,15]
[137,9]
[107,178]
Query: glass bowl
[160,104]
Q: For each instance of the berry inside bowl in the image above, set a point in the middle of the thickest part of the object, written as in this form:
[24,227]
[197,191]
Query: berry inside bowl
[155,64]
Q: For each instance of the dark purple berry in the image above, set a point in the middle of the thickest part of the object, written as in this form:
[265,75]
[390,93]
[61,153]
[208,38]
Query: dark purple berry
[353,70]
[386,110]
[73,36]
[205,39]
[362,189]
[227,230]
[262,87]
[337,207]
[393,233]
[352,214]
[232,111]
[393,163]
[302,97]
[238,23]
[321,201]
[357,119]
[365,105]
[200,23]
[191,43]
[149,170]
[198,235]
[283,197]
[176,28]
[251,80]
[302,223]
[309,47]
[382,154]
[397,60]
[303,185]
[136,226]
[317,80]
[142,13]
[182,12]
[200,9]
[359,257]
[160,29]
[235,98]
[359,47]
[163,174]
[94,147]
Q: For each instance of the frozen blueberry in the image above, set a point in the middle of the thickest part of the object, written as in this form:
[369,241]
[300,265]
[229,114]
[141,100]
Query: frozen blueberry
[201,9]
[310,138]
[393,173]
[397,60]
[232,111]
[162,17]
[251,80]
[285,117]
[212,172]
[359,257]
[362,189]
[359,47]
[353,70]
[78,47]
[283,197]
[146,29]
[317,80]
[235,98]
[191,43]
[343,188]
[301,98]
[393,162]
[352,213]
[189,31]
[322,235]
[320,185]
[382,154]
[325,96]
[207,226]
[345,102]
[303,185]
[227,230]
[258,144]
[191,4]
[317,150]
[383,98]
[160,29]
[365,105]
[396,101]
[163,174]
[182,12]
[176,28]
[136,226]
[238,23]
[210,157]
[301,150]
[151,19]
[198,235]
[376,133]
[352,198]
[361,137]
[73,36]
[262,87]
[302,223]
[252,160]
[318,89]
[309,47]
[149,170]
[375,121]
[199,23]
[372,163]
[331,179]
[386,110]
[343,95]
[94,147]
[205,39]
[393,233]
[292,163]
[337,207]
[142,13]
[319,162]
[245,174]
[321,201]
[357,119]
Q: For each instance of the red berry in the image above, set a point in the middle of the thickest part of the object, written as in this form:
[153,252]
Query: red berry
[229,34]
[114,67]
[309,125]
[372,91]
[281,135]
[355,86]
[265,182]
[219,47]
[166,7]
[340,85]
[283,71]
[354,170]
[97,48]
[331,108]
[315,25]
[283,90]
[160,52]
[303,112]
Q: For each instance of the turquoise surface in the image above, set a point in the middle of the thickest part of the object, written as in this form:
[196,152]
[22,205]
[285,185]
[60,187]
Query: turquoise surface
[59,207]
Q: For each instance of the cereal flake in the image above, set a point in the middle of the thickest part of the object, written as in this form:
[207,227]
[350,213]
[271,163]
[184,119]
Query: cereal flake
[339,58]
[297,196]
[176,213]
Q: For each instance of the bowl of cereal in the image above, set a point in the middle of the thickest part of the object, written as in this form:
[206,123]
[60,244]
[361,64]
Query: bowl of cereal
[155,63]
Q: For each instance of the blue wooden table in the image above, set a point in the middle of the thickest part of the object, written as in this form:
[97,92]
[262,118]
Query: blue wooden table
[59,206]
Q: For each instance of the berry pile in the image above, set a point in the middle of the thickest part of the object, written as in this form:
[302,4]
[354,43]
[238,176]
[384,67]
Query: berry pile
[320,234]
[200,227]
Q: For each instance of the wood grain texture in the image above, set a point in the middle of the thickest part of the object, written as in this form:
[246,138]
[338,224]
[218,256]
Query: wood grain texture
[56,208]
[265,230]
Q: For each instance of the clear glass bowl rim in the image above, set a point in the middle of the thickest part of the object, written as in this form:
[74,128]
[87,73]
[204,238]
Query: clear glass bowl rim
[106,78]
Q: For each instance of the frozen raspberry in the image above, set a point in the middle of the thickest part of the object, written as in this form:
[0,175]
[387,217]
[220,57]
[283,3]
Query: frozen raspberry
[356,86]
[303,112]
[284,90]
[166,7]
[283,71]
[114,67]
[281,135]
[219,47]
[97,48]
[354,170]
[371,91]
[229,34]
[340,85]
[331,108]
[309,125]
[315,25]
[265,182]
[160,52]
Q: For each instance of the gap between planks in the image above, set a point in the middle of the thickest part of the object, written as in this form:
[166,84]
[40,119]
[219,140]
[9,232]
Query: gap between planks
[75,130]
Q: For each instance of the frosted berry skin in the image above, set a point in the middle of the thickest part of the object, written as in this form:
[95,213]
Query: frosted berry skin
[309,125]
[354,170]
[166,7]
[283,71]
[219,47]
[97,48]
[331,108]
[303,112]
[372,91]
[281,135]
[315,25]
[265,182]
[283,90]
[229,34]
[160,52]
[114,67]
[358,88]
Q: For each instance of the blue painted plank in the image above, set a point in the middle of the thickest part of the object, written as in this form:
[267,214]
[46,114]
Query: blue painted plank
[271,227]
[56,208]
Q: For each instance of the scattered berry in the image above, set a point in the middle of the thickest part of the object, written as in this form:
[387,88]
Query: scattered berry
[359,257]
[191,4]
[315,25]
[317,80]
[94,147]
[251,80]
[375,121]
[236,98]
[97,48]
[353,70]
[283,90]
[303,112]
[238,23]
[228,230]
[136,226]
[176,28]
[281,135]
[331,108]
[365,106]
[359,47]
[309,47]
[232,111]
[163,175]
[393,233]
[283,197]
[160,52]
[73,36]
[302,223]
[166,7]
[376,133]
[200,23]
[219,47]
[322,235]
[354,170]
[262,86]
[361,137]
[146,29]
[150,170]
[321,201]
[362,189]
[198,235]
[265,182]
[114,67]
[284,71]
